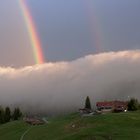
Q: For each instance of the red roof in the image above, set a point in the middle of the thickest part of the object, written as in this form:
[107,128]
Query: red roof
[111,103]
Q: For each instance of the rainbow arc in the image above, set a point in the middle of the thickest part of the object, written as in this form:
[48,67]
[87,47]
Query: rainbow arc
[35,42]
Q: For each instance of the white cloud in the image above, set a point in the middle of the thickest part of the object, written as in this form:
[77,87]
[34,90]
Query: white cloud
[63,86]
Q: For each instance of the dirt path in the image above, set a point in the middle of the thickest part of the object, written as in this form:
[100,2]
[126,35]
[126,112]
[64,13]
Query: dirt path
[23,135]
[45,120]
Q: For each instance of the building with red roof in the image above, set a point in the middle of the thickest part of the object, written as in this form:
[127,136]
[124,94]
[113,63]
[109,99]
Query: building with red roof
[107,106]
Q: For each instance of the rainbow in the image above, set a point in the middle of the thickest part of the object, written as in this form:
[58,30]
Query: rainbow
[35,42]
[94,25]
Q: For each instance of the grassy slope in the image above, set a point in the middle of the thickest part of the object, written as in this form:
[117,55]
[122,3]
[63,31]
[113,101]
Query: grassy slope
[12,131]
[122,126]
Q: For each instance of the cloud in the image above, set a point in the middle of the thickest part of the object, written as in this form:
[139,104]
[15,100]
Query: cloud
[63,86]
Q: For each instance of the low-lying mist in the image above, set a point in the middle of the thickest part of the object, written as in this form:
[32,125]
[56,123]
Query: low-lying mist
[62,87]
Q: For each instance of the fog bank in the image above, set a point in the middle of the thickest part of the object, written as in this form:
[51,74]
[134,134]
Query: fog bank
[63,86]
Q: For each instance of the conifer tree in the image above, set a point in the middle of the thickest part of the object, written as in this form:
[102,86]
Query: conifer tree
[16,114]
[87,103]
[1,115]
[7,115]
[133,104]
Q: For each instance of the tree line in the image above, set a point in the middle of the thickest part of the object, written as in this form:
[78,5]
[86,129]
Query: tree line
[7,115]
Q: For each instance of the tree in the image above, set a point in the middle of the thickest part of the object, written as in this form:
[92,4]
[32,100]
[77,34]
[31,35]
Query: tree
[7,115]
[87,103]
[16,114]
[1,115]
[133,104]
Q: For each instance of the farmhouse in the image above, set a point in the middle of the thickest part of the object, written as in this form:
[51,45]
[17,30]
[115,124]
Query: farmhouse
[108,106]
[33,121]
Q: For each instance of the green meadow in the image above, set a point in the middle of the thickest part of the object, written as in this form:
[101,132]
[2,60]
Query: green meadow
[121,126]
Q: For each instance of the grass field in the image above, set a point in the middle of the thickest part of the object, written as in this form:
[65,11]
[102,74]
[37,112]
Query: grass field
[121,126]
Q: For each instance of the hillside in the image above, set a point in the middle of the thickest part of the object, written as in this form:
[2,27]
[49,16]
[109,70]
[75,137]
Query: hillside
[122,126]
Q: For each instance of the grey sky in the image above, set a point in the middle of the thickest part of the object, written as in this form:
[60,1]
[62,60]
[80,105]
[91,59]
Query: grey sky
[14,42]
[68,29]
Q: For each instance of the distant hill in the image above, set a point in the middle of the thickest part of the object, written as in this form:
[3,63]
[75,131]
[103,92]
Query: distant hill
[121,126]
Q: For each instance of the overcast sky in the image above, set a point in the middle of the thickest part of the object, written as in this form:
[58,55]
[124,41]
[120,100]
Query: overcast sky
[68,29]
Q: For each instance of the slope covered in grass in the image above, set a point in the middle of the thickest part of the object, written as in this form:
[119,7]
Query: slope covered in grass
[122,126]
[12,130]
